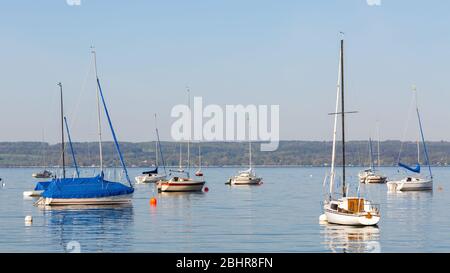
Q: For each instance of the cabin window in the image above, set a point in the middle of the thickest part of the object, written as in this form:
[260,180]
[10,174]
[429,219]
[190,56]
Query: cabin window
[334,206]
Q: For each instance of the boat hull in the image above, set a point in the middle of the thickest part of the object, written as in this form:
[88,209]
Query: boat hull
[334,217]
[251,181]
[32,193]
[143,179]
[184,186]
[403,185]
[112,200]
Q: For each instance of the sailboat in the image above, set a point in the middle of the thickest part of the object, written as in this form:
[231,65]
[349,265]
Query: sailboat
[345,210]
[181,181]
[151,176]
[88,190]
[246,177]
[44,173]
[199,171]
[416,181]
[372,175]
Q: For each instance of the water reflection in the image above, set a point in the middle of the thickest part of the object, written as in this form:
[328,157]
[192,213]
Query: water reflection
[348,239]
[93,228]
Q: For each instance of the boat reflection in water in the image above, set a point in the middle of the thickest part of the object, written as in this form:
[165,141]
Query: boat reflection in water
[351,239]
[90,228]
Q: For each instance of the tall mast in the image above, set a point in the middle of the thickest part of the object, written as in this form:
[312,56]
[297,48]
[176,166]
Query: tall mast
[378,133]
[189,137]
[333,156]
[62,132]
[94,54]
[156,144]
[414,89]
[199,157]
[344,191]
[371,154]
[249,145]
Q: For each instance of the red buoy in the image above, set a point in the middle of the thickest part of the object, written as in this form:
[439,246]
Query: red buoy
[153,202]
[206,189]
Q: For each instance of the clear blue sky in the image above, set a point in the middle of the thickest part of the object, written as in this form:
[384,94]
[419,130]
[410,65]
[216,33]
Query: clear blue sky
[229,52]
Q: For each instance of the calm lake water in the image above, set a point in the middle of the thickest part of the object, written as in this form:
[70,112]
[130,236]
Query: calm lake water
[279,216]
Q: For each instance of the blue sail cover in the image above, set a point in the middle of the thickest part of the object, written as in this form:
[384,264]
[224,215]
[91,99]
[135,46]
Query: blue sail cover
[42,186]
[88,187]
[415,169]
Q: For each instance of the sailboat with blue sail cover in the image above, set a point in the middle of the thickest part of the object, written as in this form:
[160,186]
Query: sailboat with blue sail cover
[89,190]
[415,180]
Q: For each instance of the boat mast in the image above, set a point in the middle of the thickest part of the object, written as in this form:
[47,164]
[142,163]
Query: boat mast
[378,133]
[199,157]
[371,154]
[249,145]
[333,156]
[62,132]
[189,137]
[427,159]
[94,54]
[343,119]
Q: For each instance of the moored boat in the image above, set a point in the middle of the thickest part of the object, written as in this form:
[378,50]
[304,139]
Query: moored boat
[345,210]
[418,181]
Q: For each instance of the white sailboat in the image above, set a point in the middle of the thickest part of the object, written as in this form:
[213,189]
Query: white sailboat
[345,210]
[415,180]
[246,177]
[199,170]
[152,176]
[372,175]
[182,182]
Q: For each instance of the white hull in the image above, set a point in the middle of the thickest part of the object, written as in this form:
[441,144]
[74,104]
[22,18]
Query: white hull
[180,186]
[351,211]
[237,182]
[334,217]
[414,184]
[32,193]
[113,200]
[142,179]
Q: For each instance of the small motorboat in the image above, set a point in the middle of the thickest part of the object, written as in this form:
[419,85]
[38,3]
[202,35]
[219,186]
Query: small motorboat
[247,177]
[44,174]
[411,184]
[180,184]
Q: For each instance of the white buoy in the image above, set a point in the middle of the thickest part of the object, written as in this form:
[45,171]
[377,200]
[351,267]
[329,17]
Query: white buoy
[323,218]
[28,220]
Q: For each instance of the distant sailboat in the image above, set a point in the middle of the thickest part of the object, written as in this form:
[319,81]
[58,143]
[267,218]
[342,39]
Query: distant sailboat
[152,176]
[182,182]
[88,190]
[246,177]
[417,181]
[45,173]
[372,175]
[351,211]
[199,171]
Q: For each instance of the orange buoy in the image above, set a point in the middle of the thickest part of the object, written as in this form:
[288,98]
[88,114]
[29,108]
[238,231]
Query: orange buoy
[153,202]
[206,189]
